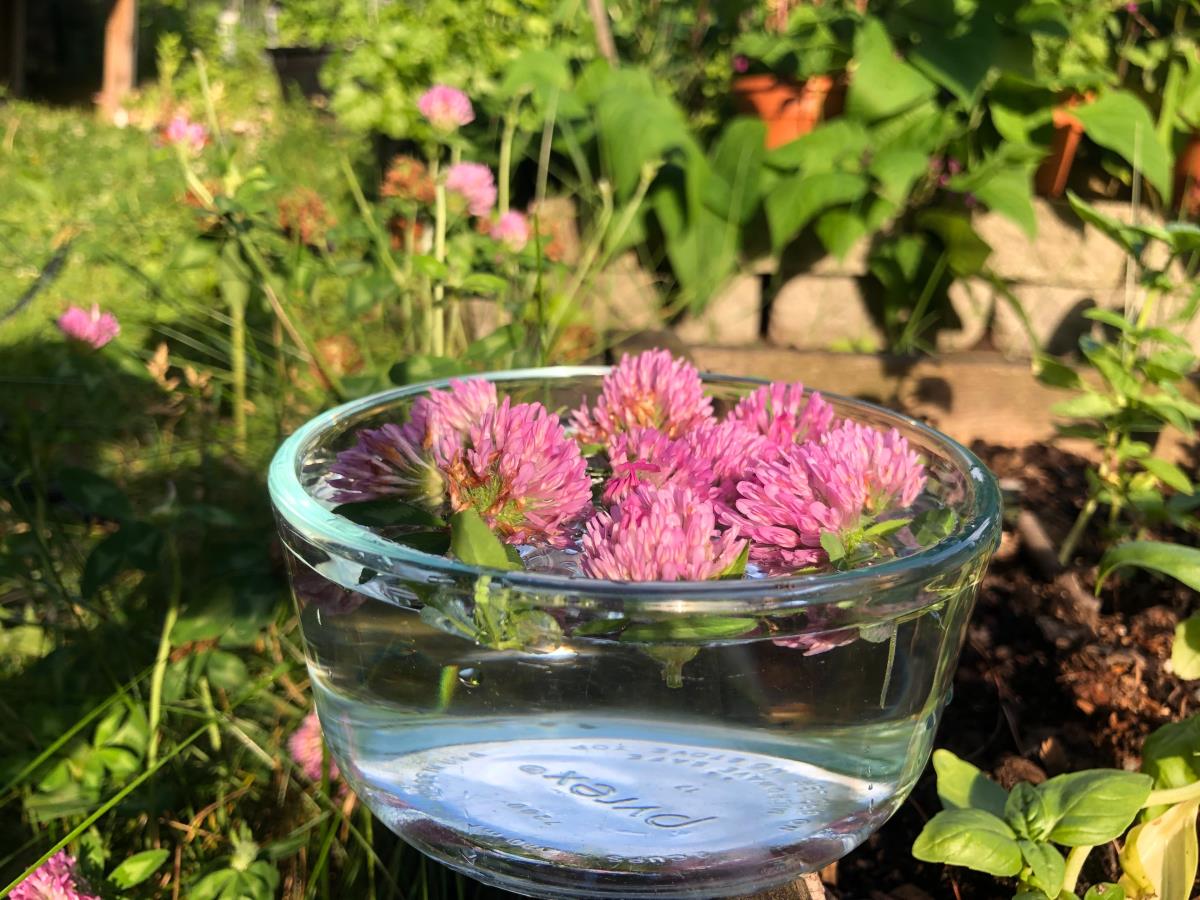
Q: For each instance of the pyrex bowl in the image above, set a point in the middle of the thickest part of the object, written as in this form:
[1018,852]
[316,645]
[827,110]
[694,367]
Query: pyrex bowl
[565,737]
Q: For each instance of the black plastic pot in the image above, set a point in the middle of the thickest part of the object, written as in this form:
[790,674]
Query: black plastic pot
[298,69]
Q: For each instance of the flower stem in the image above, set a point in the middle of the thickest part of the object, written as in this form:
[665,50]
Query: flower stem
[1171,796]
[237,353]
[506,141]
[446,686]
[1075,860]
[164,651]
[437,314]
[1081,523]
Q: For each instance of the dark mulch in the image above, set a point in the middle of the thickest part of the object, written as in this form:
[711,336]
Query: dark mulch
[1037,691]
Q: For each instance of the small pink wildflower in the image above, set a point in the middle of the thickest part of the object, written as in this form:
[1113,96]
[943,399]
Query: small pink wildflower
[55,879]
[406,461]
[857,466]
[784,414]
[95,328]
[741,64]
[659,534]
[181,131]
[730,448]
[307,746]
[511,230]
[475,184]
[446,108]
[647,456]
[522,472]
[651,389]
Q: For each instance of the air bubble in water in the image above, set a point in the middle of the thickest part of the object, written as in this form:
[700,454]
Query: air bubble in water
[469,678]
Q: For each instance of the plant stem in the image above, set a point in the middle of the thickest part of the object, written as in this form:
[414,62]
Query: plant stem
[505,166]
[1171,796]
[1075,860]
[237,354]
[909,334]
[1081,523]
[438,320]
[446,685]
[543,169]
[164,651]
[206,703]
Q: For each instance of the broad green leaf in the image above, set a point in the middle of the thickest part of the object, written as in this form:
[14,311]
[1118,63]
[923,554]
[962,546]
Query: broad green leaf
[386,512]
[1105,891]
[1185,650]
[1047,864]
[1128,237]
[1009,192]
[432,542]
[1025,812]
[1159,857]
[796,200]
[1093,807]
[94,494]
[1107,361]
[1169,474]
[1086,406]
[839,230]
[1171,756]
[425,368]
[886,527]
[933,525]
[962,786]
[1176,560]
[689,628]
[483,283]
[959,55]
[966,251]
[1184,237]
[1108,317]
[733,190]
[883,85]
[972,838]
[226,670]
[737,568]
[138,868]
[897,168]
[473,542]
[838,145]
[1119,121]
[1049,370]
[833,546]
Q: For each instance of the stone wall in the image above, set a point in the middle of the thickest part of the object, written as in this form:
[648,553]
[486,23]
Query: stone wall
[1067,268]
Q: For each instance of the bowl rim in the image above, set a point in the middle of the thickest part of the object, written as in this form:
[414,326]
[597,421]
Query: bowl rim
[338,536]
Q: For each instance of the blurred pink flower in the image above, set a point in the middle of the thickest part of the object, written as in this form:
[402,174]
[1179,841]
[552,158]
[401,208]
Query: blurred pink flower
[475,184]
[55,879]
[512,230]
[446,108]
[784,414]
[406,461]
[95,328]
[181,131]
[647,456]
[307,746]
[659,534]
[651,389]
[522,472]
[741,64]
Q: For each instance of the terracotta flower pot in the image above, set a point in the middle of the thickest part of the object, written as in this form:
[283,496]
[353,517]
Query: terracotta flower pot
[1187,177]
[790,109]
[1052,174]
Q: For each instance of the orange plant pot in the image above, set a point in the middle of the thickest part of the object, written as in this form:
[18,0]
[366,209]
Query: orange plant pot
[789,109]
[1187,177]
[1051,177]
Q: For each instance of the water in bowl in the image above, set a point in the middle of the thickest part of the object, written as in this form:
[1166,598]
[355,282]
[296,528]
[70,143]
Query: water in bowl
[595,768]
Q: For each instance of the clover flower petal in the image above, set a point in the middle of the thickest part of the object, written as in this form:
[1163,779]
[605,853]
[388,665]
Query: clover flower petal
[446,108]
[55,879]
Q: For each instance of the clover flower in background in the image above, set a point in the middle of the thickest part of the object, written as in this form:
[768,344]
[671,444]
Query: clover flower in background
[473,182]
[303,215]
[446,108]
[659,534]
[651,389]
[94,328]
[511,230]
[521,471]
[408,179]
[182,132]
[784,414]
[55,879]
[307,747]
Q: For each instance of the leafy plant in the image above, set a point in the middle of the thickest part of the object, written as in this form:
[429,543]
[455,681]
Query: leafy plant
[816,40]
[1017,834]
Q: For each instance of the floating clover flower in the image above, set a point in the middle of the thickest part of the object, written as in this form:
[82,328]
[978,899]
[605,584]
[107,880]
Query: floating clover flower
[307,746]
[475,184]
[784,414]
[182,132]
[446,108]
[647,456]
[730,448]
[511,230]
[659,534]
[651,389]
[522,473]
[94,328]
[857,465]
[406,461]
[55,879]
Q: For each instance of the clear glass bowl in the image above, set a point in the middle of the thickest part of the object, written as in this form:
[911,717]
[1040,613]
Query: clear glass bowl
[566,737]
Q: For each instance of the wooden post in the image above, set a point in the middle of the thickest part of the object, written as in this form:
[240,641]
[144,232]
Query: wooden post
[120,56]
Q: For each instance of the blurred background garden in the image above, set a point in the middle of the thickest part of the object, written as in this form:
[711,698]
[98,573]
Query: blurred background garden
[220,217]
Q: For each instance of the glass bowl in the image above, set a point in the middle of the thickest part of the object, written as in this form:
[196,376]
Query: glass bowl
[566,737]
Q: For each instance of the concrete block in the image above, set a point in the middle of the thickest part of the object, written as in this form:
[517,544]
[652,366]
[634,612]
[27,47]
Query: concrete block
[1055,316]
[624,297]
[731,317]
[973,300]
[814,312]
